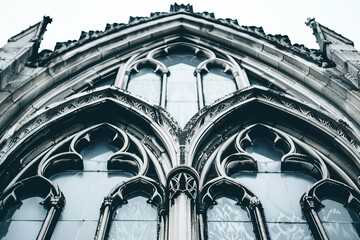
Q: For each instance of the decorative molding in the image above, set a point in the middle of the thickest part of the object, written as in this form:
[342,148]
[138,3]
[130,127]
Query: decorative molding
[183,183]
[281,41]
[87,99]
[306,112]
[183,179]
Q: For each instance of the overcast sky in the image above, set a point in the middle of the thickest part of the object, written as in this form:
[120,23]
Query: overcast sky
[286,17]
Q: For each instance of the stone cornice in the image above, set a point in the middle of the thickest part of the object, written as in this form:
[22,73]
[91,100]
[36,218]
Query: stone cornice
[280,41]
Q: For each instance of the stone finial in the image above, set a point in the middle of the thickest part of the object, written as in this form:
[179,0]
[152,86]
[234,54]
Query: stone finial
[181,8]
[339,50]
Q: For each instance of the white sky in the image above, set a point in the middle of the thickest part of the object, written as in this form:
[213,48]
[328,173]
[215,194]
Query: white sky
[286,17]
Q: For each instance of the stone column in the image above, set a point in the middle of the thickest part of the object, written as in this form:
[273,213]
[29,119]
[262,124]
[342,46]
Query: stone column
[183,191]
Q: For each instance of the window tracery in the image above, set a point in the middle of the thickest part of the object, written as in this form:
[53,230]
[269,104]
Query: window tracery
[99,162]
[266,163]
[191,77]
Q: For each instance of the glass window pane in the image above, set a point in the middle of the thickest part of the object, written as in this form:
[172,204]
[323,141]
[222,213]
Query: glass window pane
[146,84]
[267,155]
[339,222]
[181,93]
[226,209]
[182,111]
[27,216]
[85,191]
[289,231]
[343,231]
[336,212]
[279,193]
[96,154]
[230,230]
[135,220]
[227,220]
[9,230]
[183,57]
[77,230]
[133,230]
[137,208]
[217,84]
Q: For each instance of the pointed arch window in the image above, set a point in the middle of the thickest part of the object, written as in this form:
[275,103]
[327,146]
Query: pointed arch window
[274,179]
[339,222]
[80,178]
[216,84]
[146,83]
[190,77]
[229,220]
[28,215]
[135,219]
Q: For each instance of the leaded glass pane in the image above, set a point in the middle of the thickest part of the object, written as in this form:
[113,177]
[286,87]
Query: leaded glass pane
[334,211]
[342,230]
[135,220]
[136,209]
[267,155]
[182,99]
[279,193]
[289,231]
[9,230]
[227,220]
[133,230]
[146,84]
[339,222]
[217,84]
[27,216]
[226,209]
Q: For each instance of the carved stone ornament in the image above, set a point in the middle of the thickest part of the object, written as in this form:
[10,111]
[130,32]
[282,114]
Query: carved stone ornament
[183,183]
[282,41]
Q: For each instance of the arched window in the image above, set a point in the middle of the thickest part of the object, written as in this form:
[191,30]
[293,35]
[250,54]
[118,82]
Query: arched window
[146,83]
[98,163]
[179,126]
[136,219]
[227,220]
[217,83]
[271,175]
[339,221]
[85,190]
[190,77]
[181,92]
[28,216]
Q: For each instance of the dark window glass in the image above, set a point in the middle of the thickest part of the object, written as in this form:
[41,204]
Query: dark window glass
[146,84]
[217,84]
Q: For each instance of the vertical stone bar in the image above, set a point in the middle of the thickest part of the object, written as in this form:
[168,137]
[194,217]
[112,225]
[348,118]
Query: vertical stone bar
[183,188]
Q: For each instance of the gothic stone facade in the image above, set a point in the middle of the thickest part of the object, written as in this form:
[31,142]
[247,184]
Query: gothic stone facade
[301,105]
